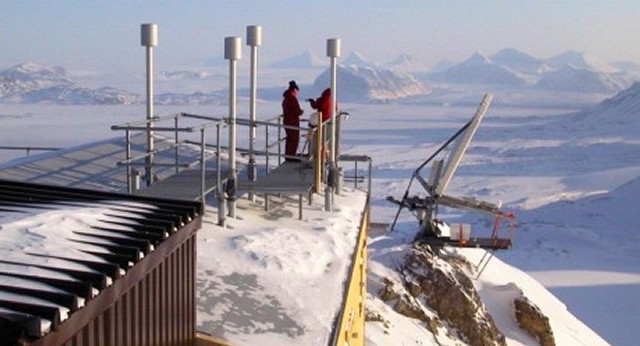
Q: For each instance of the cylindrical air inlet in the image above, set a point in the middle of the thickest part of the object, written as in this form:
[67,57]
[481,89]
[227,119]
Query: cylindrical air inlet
[254,35]
[149,35]
[333,48]
[232,48]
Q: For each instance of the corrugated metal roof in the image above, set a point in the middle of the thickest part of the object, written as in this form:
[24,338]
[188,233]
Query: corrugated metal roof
[60,247]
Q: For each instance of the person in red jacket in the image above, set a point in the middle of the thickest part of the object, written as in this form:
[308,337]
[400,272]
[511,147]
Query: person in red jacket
[292,112]
[323,104]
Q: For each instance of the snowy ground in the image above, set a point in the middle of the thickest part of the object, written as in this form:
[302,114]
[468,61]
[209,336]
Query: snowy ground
[572,184]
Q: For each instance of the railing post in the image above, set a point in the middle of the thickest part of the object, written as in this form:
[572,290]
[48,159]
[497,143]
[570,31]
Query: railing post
[128,157]
[177,161]
[202,166]
[266,136]
[317,155]
[222,214]
[279,140]
[135,180]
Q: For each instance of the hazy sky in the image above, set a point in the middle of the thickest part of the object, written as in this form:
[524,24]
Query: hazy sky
[107,33]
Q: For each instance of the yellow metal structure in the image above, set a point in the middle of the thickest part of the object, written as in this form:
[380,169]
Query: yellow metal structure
[350,325]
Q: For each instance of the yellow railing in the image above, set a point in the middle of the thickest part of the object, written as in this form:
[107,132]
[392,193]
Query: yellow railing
[349,329]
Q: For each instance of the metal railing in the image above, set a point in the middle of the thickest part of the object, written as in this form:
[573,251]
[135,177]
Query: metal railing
[141,126]
[28,149]
[356,177]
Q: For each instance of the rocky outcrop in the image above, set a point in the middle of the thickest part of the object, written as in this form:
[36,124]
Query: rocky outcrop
[531,319]
[436,290]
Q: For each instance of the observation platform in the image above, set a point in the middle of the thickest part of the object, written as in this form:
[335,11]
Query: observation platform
[290,178]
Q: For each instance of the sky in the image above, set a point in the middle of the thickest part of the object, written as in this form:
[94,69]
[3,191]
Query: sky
[106,34]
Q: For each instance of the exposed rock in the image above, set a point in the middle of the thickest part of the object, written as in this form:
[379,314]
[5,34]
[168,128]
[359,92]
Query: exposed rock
[440,284]
[389,291]
[406,306]
[532,320]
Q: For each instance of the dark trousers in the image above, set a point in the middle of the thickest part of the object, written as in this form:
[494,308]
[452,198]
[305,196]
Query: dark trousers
[292,141]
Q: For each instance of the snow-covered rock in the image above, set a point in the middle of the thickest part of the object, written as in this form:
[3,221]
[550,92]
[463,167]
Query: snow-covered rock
[576,79]
[366,84]
[405,63]
[478,69]
[305,59]
[519,61]
[580,60]
[32,83]
[356,59]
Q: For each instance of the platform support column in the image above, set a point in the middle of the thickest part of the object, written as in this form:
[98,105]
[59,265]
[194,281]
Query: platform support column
[232,52]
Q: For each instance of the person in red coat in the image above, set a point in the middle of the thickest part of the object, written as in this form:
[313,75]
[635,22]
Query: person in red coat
[291,111]
[323,104]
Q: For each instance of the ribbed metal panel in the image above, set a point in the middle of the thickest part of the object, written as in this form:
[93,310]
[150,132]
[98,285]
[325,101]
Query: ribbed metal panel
[153,303]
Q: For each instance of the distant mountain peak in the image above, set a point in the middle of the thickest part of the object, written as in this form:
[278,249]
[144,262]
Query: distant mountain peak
[355,58]
[477,58]
[512,54]
[406,63]
[305,59]
[580,60]
[30,71]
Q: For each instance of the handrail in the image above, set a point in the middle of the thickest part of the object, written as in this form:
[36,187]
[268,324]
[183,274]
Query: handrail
[132,161]
[29,148]
[355,159]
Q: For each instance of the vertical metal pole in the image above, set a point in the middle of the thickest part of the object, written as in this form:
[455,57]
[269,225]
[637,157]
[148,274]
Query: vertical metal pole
[232,48]
[149,39]
[202,166]
[218,159]
[279,141]
[127,136]
[177,160]
[338,122]
[333,52]
[220,193]
[317,155]
[254,39]
[266,136]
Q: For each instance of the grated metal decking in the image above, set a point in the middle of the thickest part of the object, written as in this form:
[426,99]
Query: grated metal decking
[185,185]
[290,178]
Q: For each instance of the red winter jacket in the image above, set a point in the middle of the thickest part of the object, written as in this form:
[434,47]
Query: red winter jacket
[291,108]
[323,104]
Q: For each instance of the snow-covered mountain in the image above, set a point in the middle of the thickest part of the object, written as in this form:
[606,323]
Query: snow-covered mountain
[356,59]
[568,72]
[477,69]
[620,113]
[305,59]
[519,61]
[580,60]
[367,84]
[183,75]
[405,63]
[574,79]
[32,83]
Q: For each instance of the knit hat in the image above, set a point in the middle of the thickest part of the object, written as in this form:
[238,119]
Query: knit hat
[293,85]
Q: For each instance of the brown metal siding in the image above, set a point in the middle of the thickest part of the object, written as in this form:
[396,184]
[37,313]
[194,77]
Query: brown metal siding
[157,309]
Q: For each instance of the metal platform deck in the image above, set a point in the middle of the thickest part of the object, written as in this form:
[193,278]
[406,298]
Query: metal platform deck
[185,185]
[290,178]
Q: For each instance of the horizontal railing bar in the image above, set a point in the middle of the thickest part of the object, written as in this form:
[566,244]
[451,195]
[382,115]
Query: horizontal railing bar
[29,148]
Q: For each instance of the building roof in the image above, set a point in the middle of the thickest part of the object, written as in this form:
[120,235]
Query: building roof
[60,247]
